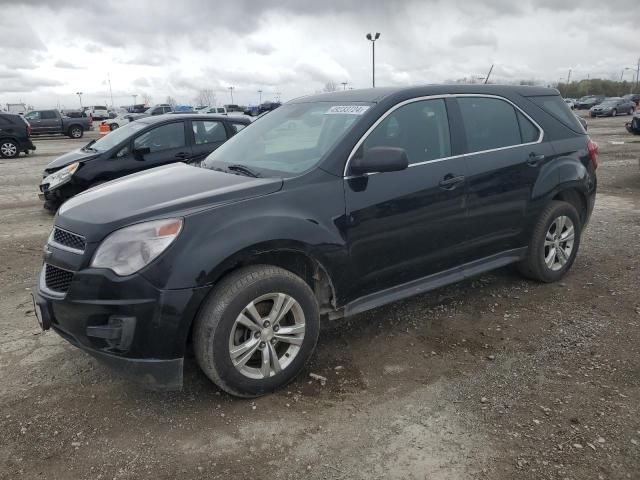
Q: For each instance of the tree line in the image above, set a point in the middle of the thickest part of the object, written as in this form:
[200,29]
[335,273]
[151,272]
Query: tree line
[597,86]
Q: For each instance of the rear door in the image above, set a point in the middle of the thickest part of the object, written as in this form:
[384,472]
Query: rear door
[504,157]
[50,121]
[206,136]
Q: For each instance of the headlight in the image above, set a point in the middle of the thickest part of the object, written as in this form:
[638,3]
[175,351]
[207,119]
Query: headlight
[129,249]
[61,176]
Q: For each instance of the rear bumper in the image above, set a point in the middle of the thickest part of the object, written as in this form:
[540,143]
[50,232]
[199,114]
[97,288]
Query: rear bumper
[139,331]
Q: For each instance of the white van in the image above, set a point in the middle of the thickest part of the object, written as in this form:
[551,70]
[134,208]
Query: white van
[97,112]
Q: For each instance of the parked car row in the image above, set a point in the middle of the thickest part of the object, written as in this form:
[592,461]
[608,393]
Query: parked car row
[148,142]
[329,206]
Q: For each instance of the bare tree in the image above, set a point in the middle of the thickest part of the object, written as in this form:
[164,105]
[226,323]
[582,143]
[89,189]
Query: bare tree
[206,96]
[171,101]
[330,86]
[146,98]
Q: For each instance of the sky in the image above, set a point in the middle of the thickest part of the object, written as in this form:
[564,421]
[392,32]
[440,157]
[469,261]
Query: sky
[51,49]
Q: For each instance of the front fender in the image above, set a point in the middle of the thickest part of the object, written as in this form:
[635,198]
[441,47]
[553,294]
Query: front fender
[305,218]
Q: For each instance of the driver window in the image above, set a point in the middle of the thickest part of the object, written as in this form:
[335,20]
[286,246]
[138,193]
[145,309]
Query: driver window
[421,128]
[161,138]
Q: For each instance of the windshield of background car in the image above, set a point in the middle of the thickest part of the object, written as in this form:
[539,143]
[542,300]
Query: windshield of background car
[118,136]
[289,140]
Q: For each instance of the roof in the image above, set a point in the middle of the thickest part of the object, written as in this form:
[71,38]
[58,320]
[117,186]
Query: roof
[193,116]
[375,95]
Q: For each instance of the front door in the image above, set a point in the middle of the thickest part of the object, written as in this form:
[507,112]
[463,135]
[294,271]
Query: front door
[167,144]
[408,224]
[505,157]
[36,123]
[207,136]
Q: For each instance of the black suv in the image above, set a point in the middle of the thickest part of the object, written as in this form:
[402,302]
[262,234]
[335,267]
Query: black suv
[146,143]
[14,135]
[328,206]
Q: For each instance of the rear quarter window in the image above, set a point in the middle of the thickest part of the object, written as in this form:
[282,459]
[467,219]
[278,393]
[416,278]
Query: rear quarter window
[555,106]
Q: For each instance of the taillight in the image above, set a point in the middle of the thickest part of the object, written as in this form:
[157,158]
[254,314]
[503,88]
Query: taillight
[593,153]
[28,130]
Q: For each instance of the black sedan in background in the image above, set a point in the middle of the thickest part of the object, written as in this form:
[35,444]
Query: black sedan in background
[586,103]
[146,143]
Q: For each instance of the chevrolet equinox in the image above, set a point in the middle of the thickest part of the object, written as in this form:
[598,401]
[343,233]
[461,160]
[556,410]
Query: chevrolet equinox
[328,206]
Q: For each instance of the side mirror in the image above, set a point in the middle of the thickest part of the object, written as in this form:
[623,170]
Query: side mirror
[139,153]
[380,159]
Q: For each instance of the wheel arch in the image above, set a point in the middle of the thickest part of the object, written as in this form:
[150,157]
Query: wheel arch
[74,125]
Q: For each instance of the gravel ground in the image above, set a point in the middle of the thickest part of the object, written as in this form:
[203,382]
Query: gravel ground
[492,378]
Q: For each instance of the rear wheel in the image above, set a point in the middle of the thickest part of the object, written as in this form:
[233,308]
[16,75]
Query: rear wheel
[113,126]
[76,132]
[256,330]
[8,149]
[614,112]
[554,243]
[632,111]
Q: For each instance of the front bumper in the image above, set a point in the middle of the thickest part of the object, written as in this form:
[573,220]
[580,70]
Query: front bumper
[125,322]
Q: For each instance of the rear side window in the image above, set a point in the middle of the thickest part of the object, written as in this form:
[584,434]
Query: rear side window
[528,131]
[237,126]
[555,106]
[420,128]
[48,115]
[489,123]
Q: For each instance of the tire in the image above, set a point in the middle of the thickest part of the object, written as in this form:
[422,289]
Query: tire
[632,111]
[614,113]
[75,131]
[113,126]
[217,331]
[534,266]
[8,149]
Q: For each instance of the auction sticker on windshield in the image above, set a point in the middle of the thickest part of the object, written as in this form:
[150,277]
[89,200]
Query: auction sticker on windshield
[348,109]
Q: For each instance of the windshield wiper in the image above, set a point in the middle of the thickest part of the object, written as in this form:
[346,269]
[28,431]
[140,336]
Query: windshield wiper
[87,147]
[243,170]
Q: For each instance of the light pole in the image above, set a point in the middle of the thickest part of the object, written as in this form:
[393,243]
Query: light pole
[344,85]
[260,92]
[372,39]
[231,92]
[80,98]
[110,91]
[638,74]
[621,76]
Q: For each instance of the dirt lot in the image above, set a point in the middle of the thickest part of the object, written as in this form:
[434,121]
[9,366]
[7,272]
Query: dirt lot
[495,378]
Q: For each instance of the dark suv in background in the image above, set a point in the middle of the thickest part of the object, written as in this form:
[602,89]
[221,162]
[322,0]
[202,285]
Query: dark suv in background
[328,206]
[15,134]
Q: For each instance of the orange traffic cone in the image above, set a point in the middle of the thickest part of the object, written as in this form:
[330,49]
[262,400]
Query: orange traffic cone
[104,129]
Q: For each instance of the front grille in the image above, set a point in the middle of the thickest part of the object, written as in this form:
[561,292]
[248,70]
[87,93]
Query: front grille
[68,239]
[57,279]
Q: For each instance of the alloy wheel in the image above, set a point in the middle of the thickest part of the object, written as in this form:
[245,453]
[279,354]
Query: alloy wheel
[267,335]
[8,149]
[558,243]
[76,133]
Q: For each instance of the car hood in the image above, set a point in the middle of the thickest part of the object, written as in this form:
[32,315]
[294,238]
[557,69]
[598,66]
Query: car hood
[172,190]
[68,158]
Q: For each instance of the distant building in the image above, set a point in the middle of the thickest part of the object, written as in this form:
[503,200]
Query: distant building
[19,108]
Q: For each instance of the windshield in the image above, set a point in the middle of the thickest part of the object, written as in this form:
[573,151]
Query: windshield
[610,101]
[117,136]
[289,140]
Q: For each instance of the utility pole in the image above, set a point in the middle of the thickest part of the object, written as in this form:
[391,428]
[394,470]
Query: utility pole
[638,76]
[231,92]
[344,85]
[568,81]
[79,97]
[110,91]
[260,92]
[372,39]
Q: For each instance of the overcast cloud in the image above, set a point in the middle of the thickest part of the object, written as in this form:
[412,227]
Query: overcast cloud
[52,49]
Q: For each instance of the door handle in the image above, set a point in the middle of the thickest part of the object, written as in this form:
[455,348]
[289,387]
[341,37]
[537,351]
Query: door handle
[182,155]
[451,181]
[534,159]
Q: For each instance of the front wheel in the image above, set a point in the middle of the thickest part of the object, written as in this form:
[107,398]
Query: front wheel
[257,330]
[113,126]
[614,112]
[632,111]
[8,149]
[554,243]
